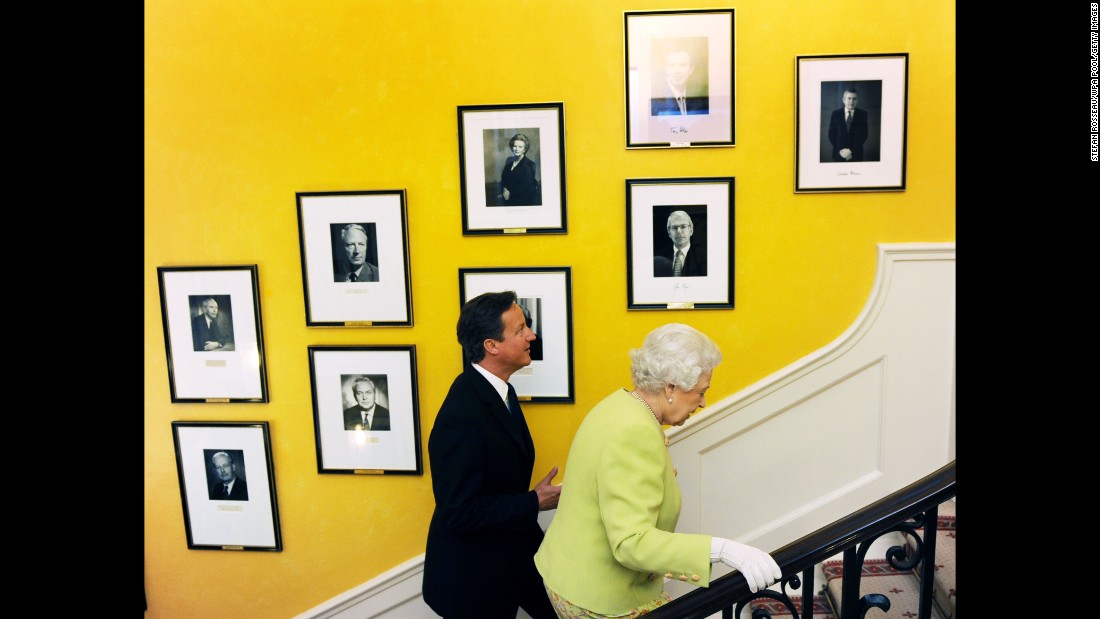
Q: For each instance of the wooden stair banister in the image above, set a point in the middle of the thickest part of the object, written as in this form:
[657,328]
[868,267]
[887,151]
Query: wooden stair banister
[797,559]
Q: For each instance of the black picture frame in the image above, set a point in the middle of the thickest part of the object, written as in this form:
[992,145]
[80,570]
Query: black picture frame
[381,295]
[213,333]
[502,196]
[703,209]
[545,294]
[870,152]
[345,446]
[680,78]
[247,516]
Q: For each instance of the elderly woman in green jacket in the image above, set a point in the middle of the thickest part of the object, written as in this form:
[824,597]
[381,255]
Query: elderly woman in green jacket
[612,543]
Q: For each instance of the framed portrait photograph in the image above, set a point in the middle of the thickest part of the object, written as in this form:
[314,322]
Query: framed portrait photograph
[680,84]
[366,411]
[355,258]
[679,243]
[227,483]
[545,296]
[512,163]
[213,333]
[852,121]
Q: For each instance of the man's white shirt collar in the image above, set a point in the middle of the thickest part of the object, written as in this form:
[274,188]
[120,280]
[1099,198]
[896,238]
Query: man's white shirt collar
[494,380]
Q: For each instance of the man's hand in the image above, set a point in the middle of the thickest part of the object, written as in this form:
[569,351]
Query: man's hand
[507,194]
[548,494]
[846,153]
[210,345]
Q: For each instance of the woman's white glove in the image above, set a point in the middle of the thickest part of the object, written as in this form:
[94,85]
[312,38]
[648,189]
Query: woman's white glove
[758,567]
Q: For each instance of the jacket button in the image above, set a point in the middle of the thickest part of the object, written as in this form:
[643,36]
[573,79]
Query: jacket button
[695,577]
[683,577]
[668,575]
[675,473]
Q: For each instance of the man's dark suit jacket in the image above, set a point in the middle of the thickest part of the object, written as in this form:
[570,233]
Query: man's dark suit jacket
[695,263]
[485,525]
[666,105]
[368,274]
[353,417]
[239,493]
[201,333]
[841,137]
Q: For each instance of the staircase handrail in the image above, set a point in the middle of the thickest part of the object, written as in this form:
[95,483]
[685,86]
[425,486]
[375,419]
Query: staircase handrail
[801,555]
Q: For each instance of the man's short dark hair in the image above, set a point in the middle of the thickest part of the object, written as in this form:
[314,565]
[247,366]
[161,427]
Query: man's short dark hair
[480,319]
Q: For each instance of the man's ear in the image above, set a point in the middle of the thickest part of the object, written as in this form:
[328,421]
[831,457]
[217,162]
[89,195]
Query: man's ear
[490,346]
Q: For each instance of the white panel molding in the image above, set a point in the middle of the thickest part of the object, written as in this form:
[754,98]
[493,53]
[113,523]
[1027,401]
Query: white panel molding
[888,380]
[395,593]
[751,472]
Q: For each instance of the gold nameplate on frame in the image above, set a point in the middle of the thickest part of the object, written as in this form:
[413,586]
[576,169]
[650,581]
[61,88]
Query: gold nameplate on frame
[368,471]
[221,400]
[681,306]
[358,323]
[515,230]
[215,363]
[232,547]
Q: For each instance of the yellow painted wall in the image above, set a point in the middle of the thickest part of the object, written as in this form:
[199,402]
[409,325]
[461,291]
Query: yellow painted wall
[249,101]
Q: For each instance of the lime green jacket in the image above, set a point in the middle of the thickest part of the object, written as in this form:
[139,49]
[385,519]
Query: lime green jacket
[611,543]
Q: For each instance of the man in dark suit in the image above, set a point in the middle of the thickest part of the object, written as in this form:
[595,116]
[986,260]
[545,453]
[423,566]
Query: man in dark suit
[367,414]
[206,334]
[229,487]
[484,530]
[355,268]
[688,260]
[848,129]
[672,98]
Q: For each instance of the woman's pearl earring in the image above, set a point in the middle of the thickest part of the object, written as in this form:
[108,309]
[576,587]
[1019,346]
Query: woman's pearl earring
[670,400]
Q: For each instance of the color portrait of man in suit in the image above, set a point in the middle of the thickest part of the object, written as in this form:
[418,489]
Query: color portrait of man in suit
[675,94]
[485,523]
[354,266]
[228,486]
[688,259]
[367,414]
[848,128]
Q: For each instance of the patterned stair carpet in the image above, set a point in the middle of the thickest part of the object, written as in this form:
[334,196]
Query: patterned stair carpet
[778,609]
[902,588]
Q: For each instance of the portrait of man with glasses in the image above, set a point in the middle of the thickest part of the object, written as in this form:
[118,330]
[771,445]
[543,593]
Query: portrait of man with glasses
[684,258]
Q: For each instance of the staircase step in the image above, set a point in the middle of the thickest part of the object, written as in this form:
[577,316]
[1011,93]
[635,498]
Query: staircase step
[774,608]
[943,588]
[902,588]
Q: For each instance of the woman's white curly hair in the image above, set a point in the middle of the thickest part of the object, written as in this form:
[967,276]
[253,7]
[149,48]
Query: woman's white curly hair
[674,353]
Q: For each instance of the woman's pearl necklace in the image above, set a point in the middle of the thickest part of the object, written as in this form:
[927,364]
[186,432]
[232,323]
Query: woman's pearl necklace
[642,400]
